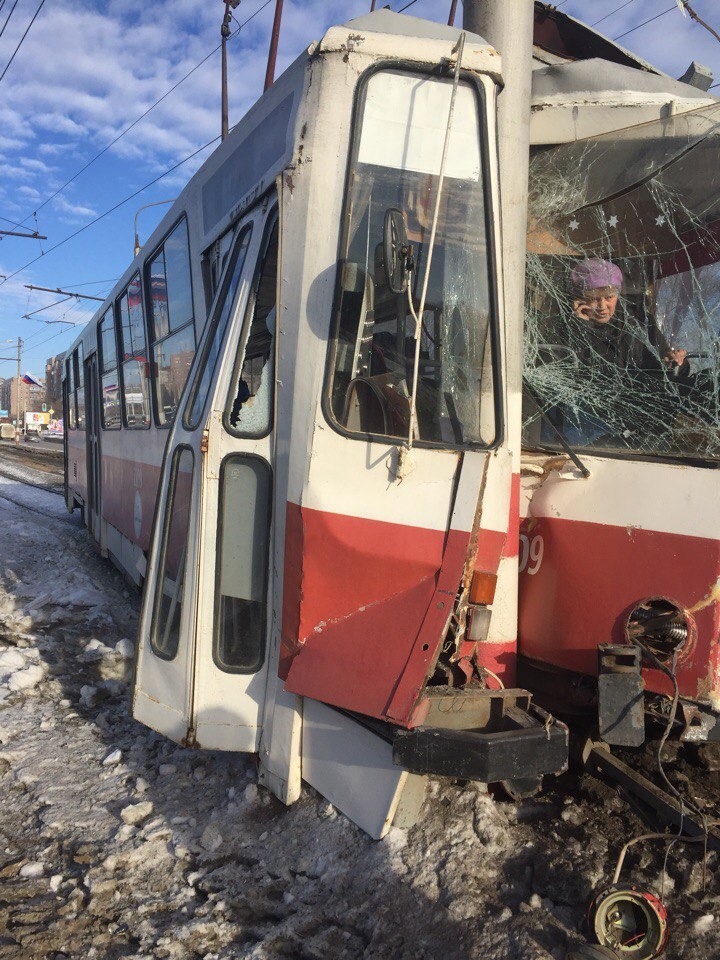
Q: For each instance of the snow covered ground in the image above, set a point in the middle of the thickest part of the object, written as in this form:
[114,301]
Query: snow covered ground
[117,843]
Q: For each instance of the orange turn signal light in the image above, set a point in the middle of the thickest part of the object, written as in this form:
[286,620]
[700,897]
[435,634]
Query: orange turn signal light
[482,588]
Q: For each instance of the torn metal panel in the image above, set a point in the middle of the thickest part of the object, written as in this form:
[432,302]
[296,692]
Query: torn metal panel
[574,101]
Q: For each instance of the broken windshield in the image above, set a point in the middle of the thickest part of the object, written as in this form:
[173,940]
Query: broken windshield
[395,167]
[622,317]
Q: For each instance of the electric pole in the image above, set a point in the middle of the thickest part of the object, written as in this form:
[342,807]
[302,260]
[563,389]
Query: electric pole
[19,394]
[272,53]
[19,360]
[508,26]
[224,33]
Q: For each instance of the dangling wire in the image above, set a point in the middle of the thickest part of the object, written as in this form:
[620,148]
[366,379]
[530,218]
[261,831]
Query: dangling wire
[37,230]
[431,244]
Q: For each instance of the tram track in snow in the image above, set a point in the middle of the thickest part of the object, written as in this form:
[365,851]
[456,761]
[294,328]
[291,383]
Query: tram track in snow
[49,488]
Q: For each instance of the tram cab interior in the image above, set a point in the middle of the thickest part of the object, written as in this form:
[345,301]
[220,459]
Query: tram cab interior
[620,539]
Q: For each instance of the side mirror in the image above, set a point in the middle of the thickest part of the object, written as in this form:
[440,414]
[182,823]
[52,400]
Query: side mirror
[396,250]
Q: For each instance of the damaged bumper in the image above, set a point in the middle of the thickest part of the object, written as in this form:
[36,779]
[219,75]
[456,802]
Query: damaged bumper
[490,736]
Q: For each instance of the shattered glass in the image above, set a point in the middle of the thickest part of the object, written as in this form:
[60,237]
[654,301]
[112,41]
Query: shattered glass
[631,368]
[396,166]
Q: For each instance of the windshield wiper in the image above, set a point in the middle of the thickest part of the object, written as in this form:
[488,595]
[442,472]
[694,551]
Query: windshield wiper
[562,439]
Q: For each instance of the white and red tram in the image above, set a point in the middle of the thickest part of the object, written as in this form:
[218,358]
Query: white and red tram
[624,185]
[307,577]
[319,503]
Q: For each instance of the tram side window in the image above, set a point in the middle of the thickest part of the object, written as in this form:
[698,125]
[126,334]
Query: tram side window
[165,635]
[252,406]
[396,164]
[171,322]
[214,333]
[243,553]
[109,382]
[80,387]
[213,264]
[70,383]
[135,369]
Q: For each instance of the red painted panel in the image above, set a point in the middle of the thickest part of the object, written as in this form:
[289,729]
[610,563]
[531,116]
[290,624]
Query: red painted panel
[500,657]
[592,575]
[129,490]
[490,550]
[364,609]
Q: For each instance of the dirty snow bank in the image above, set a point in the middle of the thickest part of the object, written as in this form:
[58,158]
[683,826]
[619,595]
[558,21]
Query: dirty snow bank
[116,843]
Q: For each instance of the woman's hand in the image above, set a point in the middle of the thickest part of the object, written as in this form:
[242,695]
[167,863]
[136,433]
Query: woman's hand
[676,357]
[584,310]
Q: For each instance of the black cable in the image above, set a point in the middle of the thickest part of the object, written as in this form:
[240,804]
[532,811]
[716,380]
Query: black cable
[112,209]
[622,5]
[7,67]
[406,6]
[8,17]
[13,222]
[87,283]
[670,674]
[645,22]
[143,115]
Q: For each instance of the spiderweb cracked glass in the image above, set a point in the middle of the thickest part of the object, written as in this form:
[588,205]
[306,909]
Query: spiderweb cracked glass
[646,381]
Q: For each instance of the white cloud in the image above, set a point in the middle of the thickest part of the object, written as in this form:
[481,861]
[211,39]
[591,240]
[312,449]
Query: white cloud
[77,211]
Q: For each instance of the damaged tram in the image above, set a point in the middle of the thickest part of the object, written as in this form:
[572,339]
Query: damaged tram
[290,421]
[620,536]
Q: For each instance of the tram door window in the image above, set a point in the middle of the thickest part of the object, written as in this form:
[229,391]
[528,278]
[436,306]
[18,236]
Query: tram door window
[79,387]
[214,336]
[135,370]
[397,158]
[171,321]
[168,600]
[242,552]
[70,384]
[109,380]
[250,414]
[213,264]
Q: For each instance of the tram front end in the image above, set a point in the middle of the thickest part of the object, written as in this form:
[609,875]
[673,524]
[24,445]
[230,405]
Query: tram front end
[332,580]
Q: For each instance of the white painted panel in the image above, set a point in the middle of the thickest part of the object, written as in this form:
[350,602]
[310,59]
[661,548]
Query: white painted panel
[404,124]
[351,767]
[626,493]
[224,736]
[357,479]
[159,717]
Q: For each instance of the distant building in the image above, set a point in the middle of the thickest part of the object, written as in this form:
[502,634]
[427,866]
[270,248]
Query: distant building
[53,384]
[32,396]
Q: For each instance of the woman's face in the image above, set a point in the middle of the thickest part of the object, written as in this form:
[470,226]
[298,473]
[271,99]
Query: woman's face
[597,305]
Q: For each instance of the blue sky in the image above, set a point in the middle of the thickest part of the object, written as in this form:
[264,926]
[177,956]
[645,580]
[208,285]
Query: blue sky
[88,68]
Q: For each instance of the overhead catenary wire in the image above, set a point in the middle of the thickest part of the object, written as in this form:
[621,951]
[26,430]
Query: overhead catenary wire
[613,12]
[142,116]
[22,38]
[12,11]
[112,209]
[13,222]
[645,22]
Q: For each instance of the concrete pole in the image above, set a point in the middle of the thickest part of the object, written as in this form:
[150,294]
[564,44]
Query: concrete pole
[508,26]
[19,394]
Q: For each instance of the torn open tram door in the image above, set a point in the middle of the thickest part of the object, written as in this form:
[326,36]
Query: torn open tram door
[336,494]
